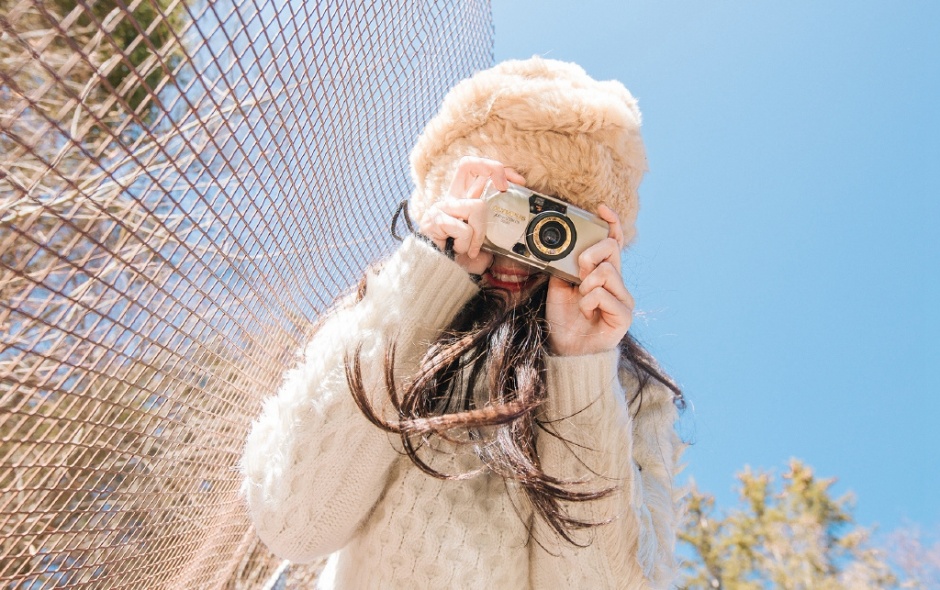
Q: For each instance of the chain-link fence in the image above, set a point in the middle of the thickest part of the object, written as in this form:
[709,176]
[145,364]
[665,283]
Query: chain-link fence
[184,186]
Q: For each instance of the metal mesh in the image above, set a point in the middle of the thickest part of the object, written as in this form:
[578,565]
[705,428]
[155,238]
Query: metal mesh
[184,187]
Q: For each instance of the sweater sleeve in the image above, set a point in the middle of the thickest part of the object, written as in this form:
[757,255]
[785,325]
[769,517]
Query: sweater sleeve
[592,439]
[313,465]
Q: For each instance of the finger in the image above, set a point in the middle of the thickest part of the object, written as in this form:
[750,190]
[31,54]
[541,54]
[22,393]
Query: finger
[476,188]
[514,176]
[560,290]
[461,208]
[428,226]
[613,220]
[461,232]
[607,250]
[463,176]
[470,166]
[477,223]
[605,276]
[476,265]
[437,234]
[443,226]
[473,212]
[613,312]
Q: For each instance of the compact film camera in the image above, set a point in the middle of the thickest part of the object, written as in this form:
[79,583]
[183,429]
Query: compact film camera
[539,231]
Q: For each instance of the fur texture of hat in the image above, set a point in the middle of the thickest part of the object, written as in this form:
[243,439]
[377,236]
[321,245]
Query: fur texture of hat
[570,136]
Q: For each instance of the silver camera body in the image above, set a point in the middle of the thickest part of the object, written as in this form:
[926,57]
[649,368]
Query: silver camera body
[539,231]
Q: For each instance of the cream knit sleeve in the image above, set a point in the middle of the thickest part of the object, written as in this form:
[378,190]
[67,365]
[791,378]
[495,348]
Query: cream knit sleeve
[313,465]
[595,442]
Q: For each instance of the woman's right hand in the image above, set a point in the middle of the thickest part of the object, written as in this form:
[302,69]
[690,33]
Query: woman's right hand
[461,215]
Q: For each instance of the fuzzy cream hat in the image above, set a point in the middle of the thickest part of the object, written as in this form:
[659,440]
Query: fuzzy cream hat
[569,135]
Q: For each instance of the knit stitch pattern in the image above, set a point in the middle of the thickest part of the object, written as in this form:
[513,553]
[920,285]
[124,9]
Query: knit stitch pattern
[319,478]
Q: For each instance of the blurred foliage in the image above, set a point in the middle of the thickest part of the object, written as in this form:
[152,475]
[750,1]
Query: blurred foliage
[916,555]
[791,535]
[139,32]
[117,435]
[138,340]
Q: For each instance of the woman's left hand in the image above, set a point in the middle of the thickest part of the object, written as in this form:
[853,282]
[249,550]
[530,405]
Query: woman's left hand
[594,316]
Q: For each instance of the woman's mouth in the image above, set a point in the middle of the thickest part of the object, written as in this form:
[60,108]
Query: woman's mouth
[510,279]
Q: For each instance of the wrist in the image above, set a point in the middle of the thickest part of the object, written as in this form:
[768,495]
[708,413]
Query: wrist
[578,346]
[447,250]
[576,382]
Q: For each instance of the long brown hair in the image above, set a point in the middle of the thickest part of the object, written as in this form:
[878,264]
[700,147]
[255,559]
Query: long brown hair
[502,348]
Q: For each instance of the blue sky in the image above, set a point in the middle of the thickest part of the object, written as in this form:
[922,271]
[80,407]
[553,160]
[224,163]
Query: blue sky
[786,269]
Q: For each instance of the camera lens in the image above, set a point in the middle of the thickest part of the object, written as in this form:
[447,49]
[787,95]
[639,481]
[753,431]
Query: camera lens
[550,236]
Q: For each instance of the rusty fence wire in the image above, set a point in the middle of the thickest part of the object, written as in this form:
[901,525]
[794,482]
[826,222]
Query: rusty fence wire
[184,186]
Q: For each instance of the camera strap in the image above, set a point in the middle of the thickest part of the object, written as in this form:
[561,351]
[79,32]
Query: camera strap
[402,210]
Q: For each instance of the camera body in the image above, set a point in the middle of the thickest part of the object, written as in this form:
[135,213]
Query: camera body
[539,231]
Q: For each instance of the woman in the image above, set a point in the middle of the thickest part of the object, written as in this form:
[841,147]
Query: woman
[465,422]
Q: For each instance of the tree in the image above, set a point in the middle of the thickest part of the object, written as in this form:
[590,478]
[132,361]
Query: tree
[917,556]
[118,427]
[796,536]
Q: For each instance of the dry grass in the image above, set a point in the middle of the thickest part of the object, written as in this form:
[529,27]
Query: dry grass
[157,275]
[120,425]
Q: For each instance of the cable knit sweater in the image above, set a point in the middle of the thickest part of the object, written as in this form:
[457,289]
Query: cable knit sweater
[321,479]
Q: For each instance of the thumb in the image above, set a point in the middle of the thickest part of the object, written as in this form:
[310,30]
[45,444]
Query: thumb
[477,265]
[558,287]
